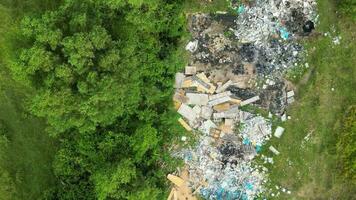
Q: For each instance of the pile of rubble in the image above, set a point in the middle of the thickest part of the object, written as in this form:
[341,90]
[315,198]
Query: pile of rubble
[220,166]
[238,61]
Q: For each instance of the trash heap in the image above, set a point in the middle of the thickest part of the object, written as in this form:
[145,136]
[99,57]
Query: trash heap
[238,62]
[220,166]
[267,30]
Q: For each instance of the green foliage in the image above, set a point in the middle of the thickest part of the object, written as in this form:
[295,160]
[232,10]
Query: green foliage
[103,72]
[346,147]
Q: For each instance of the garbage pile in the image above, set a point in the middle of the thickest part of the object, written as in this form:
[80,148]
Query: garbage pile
[253,49]
[268,29]
[236,62]
[220,166]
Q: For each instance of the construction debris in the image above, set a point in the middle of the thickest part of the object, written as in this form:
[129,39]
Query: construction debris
[180,189]
[184,124]
[249,101]
[188,113]
[238,61]
[190,70]
[197,99]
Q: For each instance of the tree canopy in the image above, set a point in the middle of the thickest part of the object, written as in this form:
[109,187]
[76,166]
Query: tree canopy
[103,71]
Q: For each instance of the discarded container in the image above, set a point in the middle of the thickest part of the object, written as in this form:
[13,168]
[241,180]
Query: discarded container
[279,131]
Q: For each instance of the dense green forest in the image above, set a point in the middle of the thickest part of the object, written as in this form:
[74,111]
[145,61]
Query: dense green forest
[102,72]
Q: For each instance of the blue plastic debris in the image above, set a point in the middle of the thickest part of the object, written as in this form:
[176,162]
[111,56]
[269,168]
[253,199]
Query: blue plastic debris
[246,141]
[240,9]
[248,186]
[284,33]
[219,194]
[204,193]
[258,148]
[188,156]
[244,196]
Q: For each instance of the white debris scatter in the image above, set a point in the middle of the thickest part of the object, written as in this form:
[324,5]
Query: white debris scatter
[192,46]
[274,150]
[256,130]
[279,132]
[337,40]
[222,80]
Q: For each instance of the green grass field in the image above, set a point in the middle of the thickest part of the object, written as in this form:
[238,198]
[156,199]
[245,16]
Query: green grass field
[309,167]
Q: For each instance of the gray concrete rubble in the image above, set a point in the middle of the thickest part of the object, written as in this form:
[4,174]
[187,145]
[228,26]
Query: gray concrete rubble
[197,99]
[237,62]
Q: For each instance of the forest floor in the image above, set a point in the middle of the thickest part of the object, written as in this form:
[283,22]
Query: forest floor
[308,163]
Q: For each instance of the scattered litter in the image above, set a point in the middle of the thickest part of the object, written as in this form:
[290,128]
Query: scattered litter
[241,9]
[192,46]
[337,40]
[279,132]
[184,138]
[274,150]
[284,117]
